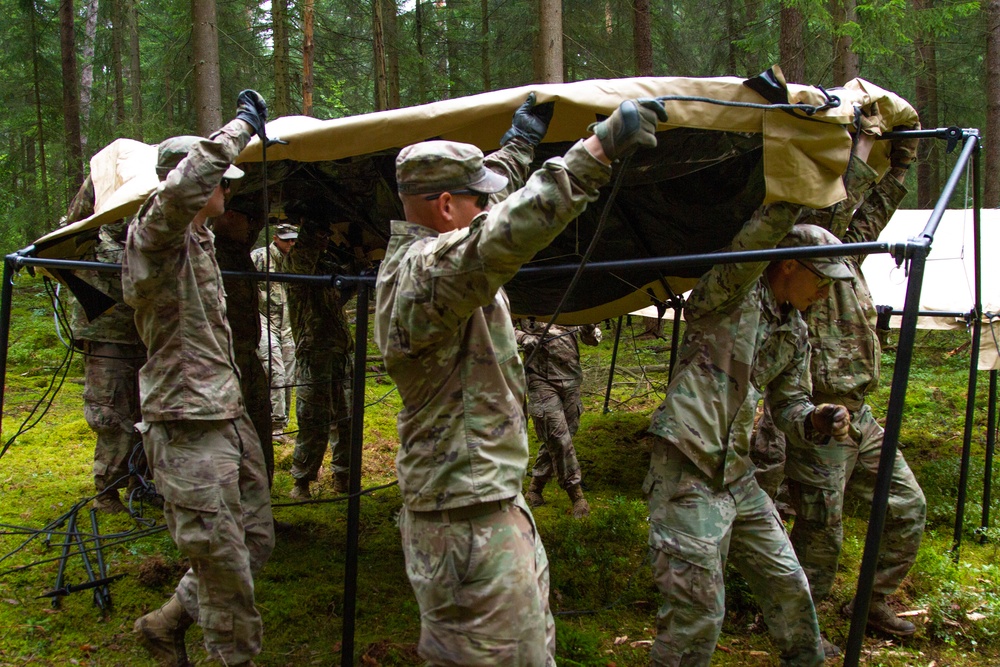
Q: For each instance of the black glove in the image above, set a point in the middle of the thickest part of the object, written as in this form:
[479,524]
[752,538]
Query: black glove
[633,124]
[531,121]
[832,420]
[903,151]
[252,108]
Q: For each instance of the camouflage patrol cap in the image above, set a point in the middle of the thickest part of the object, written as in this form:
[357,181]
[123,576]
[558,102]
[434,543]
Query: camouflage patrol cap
[286,232]
[171,151]
[805,235]
[441,166]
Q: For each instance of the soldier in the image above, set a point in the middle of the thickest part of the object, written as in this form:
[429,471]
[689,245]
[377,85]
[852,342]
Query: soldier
[473,555]
[744,334]
[323,348]
[277,350]
[554,379]
[845,367]
[203,449]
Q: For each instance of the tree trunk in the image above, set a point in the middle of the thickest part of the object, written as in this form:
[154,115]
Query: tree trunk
[308,48]
[845,60]
[87,73]
[379,60]
[991,194]
[39,125]
[207,82]
[135,66]
[751,16]
[484,43]
[550,42]
[642,38]
[71,96]
[279,25]
[421,57]
[792,45]
[391,24]
[928,180]
[453,47]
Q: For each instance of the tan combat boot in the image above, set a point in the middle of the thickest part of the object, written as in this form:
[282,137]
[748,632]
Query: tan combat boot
[534,496]
[581,507]
[300,491]
[162,633]
[110,502]
[341,483]
[882,618]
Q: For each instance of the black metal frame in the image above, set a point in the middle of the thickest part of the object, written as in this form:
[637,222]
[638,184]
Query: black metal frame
[914,252]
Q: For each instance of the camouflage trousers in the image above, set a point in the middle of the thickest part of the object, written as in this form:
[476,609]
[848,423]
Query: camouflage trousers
[555,409]
[818,488]
[111,408]
[217,507]
[280,348]
[483,587]
[323,412]
[695,525]
[253,385]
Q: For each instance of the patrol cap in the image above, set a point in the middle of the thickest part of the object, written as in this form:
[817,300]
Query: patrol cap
[806,235]
[286,232]
[171,151]
[441,166]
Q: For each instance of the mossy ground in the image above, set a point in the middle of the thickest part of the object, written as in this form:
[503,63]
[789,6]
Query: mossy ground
[602,589]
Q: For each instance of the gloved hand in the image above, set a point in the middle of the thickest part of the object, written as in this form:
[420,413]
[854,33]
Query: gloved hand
[252,108]
[598,336]
[531,121]
[832,420]
[633,124]
[903,151]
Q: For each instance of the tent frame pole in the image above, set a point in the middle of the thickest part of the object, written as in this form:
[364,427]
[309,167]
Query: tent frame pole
[991,440]
[614,360]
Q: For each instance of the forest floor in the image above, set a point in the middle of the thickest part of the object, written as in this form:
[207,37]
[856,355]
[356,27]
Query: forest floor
[602,591]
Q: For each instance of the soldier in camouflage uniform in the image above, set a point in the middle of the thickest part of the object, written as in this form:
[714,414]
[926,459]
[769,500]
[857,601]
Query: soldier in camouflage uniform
[554,379]
[204,451]
[845,367]
[473,555]
[277,349]
[235,233]
[323,349]
[744,334]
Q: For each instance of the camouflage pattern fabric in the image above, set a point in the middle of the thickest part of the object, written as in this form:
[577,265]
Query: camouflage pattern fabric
[277,348]
[206,457]
[704,501]
[111,407]
[695,524]
[491,568]
[554,403]
[217,507]
[443,325]
[116,325]
[323,414]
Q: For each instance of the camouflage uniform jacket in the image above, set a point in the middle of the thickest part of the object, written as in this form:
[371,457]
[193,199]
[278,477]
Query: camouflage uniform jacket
[278,264]
[738,341]
[117,324]
[316,313]
[443,325]
[241,297]
[171,277]
[845,348]
[558,358]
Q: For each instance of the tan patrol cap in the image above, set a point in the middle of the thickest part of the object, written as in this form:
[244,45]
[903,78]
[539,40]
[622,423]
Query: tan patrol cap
[806,235]
[441,166]
[171,151]
[286,232]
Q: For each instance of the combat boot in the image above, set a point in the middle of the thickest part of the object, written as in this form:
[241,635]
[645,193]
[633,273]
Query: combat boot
[110,502]
[162,633]
[882,618]
[341,482]
[581,507]
[534,496]
[300,491]
[830,650]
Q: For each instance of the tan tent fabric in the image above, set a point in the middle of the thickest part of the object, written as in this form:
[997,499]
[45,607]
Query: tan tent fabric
[803,157]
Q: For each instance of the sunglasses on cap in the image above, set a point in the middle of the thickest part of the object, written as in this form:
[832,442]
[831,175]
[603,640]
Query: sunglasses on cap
[824,281]
[482,198]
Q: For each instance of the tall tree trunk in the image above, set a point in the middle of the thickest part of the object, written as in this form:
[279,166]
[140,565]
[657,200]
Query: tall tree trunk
[792,45]
[207,82]
[550,42]
[71,97]
[421,56]
[279,25]
[484,43]
[991,194]
[845,60]
[379,60]
[751,15]
[117,68]
[453,47]
[732,31]
[39,125]
[308,48]
[928,178]
[87,73]
[135,65]
[642,38]
[390,15]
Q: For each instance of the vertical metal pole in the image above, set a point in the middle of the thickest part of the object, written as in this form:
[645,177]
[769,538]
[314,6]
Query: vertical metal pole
[614,360]
[893,421]
[675,335]
[6,297]
[354,502]
[991,441]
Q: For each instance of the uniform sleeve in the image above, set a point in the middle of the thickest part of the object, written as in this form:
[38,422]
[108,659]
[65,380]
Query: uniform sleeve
[513,161]
[725,284]
[590,334]
[875,211]
[305,254]
[789,394]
